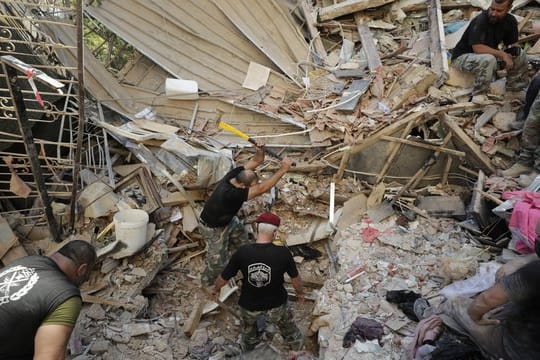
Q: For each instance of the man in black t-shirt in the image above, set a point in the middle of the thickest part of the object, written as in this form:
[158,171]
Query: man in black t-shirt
[263,265]
[40,301]
[220,228]
[504,320]
[478,49]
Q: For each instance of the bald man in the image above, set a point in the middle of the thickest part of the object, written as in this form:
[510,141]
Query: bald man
[220,226]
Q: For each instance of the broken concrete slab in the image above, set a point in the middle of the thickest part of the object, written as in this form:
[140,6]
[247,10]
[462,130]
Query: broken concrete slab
[352,212]
[444,206]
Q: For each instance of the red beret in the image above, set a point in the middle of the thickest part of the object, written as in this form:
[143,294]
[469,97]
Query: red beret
[269,218]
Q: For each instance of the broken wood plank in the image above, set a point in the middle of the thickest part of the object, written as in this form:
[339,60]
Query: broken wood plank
[472,149]
[368,44]
[394,151]
[348,7]
[417,177]
[437,49]
[415,116]
[343,163]
[192,322]
[17,251]
[412,84]
[487,115]
[447,167]
[425,146]
[489,196]
[351,96]
[349,73]
[314,167]
[179,198]
[311,20]
[478,208]
[418,115]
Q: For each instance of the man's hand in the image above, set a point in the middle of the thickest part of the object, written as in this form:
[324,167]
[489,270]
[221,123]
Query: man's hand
[286,163]
[215,293]
[259,145]
[508,60]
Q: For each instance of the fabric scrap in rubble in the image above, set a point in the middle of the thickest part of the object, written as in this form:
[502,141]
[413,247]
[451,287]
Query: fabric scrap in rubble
[363,329]
[404,300]
[427,331]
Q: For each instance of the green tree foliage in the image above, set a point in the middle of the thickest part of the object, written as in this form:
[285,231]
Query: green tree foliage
[107,47]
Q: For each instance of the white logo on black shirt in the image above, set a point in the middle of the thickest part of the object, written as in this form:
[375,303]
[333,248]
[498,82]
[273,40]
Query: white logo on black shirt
[16,282]
[259,274]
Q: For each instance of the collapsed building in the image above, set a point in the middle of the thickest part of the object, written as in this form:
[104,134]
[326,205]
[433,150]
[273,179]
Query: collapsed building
[112,105]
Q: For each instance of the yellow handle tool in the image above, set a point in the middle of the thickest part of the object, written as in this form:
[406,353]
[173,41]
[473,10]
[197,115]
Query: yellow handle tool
[233,130]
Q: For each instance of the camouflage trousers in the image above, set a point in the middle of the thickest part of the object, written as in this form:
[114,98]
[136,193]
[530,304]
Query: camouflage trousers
[281,316]
[221,243]
[484,67]
[530,145]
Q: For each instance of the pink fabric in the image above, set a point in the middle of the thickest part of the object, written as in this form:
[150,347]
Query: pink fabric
[427,329]
[525,216]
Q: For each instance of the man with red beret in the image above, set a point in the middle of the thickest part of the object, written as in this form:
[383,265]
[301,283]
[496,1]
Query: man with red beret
[263,265]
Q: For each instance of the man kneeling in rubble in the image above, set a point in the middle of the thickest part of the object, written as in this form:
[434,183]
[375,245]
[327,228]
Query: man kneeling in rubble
[504,320]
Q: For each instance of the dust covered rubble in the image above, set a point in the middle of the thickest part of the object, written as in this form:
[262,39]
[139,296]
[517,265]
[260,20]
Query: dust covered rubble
[423,257]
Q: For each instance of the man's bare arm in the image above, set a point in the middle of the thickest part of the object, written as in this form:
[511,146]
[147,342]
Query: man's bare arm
[51,341]
[267,184]
[257,159]
[493,297]
[297,285]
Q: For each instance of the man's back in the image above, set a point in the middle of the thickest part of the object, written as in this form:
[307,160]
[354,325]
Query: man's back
[224,202]
[263,267]
[30,289]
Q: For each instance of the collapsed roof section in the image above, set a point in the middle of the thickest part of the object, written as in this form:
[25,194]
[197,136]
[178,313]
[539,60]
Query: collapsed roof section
[194,40]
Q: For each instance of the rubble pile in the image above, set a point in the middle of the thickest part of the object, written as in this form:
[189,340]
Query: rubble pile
[393,187]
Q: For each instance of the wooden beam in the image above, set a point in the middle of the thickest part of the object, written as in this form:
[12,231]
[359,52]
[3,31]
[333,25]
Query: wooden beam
[368,44]
[348,7]
[418,115]
[487,115]
[342,165]
[395,148]
[310,17]
[472,149]
[437,47]
[374,138]
[425,146]
[419,175]
[192,322]
[447,168]
[478,208]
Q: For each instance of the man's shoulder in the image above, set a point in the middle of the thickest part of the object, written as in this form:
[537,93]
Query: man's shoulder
[511,19]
